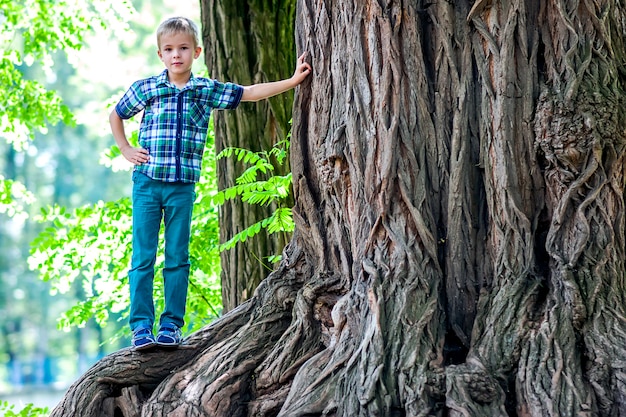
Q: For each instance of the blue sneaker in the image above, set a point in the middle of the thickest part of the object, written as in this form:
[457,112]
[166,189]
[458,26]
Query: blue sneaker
[169,335]
[143,338]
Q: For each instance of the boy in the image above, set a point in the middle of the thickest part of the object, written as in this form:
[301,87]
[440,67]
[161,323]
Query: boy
[172,136]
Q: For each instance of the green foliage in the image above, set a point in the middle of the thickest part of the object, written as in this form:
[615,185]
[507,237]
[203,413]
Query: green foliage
[7,410]
[13,197]
[253,190]
[27,106]
[42,26]
[280,220]
[91,247]
[31,31]
[91,244]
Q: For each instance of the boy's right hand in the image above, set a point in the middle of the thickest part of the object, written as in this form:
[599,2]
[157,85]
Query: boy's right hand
[135,156]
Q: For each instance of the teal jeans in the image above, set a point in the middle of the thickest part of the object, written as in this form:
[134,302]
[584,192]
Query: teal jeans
[155,201]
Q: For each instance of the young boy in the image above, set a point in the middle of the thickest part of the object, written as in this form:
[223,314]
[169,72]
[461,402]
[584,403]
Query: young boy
[172,137]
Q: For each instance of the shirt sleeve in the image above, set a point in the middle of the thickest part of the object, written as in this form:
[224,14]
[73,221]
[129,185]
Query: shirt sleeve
[225,96]
[132,102]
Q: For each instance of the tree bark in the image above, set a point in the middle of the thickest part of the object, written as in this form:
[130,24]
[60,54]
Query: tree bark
[459,204]
[248,42]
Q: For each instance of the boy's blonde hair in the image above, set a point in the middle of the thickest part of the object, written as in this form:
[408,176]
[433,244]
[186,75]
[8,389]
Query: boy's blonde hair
[178,25]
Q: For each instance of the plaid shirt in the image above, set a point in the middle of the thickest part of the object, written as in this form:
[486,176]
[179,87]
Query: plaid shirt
[175,122]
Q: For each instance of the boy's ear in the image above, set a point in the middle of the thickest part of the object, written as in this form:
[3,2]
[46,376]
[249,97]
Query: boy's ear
[197,53]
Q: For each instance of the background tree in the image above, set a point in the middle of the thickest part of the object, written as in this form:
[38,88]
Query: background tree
[459,245]
[248,41]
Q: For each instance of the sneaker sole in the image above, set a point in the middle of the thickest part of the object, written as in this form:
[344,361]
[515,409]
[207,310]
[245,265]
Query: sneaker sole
[146,346]
[168,345]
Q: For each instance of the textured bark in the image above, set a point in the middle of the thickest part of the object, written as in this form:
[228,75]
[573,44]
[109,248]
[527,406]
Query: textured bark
[248,41]
[459,251]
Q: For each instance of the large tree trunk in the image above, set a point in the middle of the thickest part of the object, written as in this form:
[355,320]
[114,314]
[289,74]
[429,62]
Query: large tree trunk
[248,41]
[459,250]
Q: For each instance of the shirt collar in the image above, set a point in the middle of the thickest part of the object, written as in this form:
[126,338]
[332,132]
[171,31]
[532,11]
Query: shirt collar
[163,80]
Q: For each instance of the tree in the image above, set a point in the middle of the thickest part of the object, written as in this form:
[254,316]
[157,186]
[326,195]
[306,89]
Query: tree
[459,246]
[248,41]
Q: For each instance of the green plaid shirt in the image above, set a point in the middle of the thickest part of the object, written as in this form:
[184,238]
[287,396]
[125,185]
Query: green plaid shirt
[175,122]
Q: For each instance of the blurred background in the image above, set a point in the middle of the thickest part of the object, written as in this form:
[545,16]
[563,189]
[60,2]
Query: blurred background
[38,361]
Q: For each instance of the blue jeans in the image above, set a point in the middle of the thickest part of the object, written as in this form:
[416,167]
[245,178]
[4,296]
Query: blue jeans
[154,201]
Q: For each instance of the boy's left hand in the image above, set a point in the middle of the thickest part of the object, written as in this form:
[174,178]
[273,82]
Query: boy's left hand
[303,69]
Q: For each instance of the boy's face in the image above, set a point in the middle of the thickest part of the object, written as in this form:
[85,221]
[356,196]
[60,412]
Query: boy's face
[177,51]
